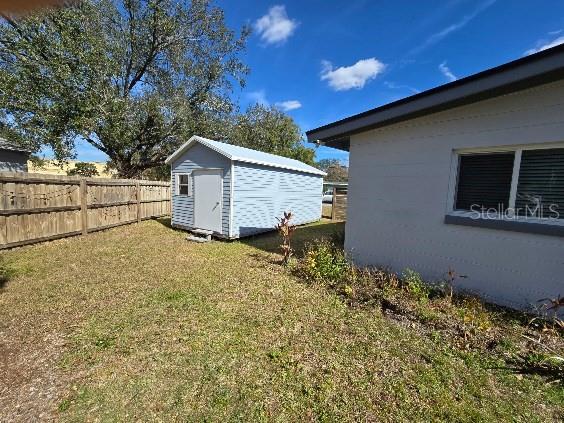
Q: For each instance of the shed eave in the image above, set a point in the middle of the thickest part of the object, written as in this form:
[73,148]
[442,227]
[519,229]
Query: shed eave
[266,164]
[194,139]
[197,139]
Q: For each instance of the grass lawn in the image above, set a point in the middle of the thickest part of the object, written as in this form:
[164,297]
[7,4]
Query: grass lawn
[137,324]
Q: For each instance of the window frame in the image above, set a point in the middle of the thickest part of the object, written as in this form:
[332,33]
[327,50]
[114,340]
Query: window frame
[187,184]
[545,226]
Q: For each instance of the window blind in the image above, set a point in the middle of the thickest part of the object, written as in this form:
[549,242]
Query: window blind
[540,189]
[484,180]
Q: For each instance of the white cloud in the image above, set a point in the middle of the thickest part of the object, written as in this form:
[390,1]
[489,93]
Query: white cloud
[258,97]
[445,70]
[275,27]
[289,105]
[543,45]
[354,76]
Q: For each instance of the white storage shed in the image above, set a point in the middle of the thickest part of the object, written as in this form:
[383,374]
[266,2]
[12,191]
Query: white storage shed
[234,191]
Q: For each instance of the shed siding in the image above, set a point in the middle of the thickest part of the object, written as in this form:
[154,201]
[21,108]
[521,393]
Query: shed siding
[199,157]
[398,196]
[261,194]
[13,161]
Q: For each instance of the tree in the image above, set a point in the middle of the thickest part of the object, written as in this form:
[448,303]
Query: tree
[336,172]
[134,78]
[272,131]
[85,169]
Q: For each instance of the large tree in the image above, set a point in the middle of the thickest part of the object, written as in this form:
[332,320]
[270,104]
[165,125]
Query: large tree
[131,77]
[270,130]
[336,172]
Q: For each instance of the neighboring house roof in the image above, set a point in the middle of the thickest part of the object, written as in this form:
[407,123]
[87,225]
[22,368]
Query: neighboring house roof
[53,167]
[536,69]
[5,145]
[246,155]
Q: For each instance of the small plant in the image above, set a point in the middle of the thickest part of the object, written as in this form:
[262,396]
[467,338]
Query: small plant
[323,261]
[548,314]
[473,314]
[451,277]
[548,365]
[553,306]
[286,229]
[414,284]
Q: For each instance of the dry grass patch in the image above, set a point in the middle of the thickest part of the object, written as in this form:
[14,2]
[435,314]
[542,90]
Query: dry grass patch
[150,327]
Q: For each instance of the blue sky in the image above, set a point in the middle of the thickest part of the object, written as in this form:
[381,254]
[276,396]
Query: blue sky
[323,60]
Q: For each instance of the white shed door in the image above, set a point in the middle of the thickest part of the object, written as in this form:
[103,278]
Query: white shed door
[207,199]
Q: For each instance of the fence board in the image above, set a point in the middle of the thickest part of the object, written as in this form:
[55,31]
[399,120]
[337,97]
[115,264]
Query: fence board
[35,208]
[339,207]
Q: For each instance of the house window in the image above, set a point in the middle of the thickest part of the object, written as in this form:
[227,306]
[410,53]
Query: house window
[540,189]
[521,189]
[484,181]
[183,184]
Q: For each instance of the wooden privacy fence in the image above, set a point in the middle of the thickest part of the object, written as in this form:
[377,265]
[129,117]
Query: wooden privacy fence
[339,206]
[35,207]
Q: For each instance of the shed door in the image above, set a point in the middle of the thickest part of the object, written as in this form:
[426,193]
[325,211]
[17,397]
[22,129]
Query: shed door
[207,199]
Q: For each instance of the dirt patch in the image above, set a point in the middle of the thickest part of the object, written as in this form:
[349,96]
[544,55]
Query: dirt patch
[30,379]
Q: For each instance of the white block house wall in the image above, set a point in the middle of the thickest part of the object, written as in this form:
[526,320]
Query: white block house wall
[400,220]
[405,178]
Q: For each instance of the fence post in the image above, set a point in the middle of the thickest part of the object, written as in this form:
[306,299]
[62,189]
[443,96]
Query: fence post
[334,203]
[84,205]
[138,188]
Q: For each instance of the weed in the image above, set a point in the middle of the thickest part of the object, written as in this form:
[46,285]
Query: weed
[415,286]
[64,405]
[324,262]
[451,278]
[472,312]
[286,229]
[548,365]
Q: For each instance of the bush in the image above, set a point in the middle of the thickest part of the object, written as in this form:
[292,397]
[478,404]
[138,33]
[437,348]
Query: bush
[324,262]
[414,284]
[472,312]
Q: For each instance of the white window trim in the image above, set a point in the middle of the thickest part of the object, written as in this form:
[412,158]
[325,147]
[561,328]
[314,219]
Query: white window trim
[518,150]
[177,184]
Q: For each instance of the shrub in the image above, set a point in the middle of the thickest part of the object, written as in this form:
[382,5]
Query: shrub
[414,284]
[324,262]
[472,312]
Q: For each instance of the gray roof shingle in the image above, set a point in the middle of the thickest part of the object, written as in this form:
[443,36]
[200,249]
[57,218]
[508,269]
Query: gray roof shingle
[5,145]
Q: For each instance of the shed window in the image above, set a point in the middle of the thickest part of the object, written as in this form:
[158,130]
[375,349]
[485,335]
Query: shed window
[484,181]
[183,184]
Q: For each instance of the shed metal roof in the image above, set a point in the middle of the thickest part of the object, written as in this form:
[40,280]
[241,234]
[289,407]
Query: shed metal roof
[526,72]
[5,145]
[246,155]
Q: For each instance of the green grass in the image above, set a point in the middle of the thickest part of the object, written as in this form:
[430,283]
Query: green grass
[150,327]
